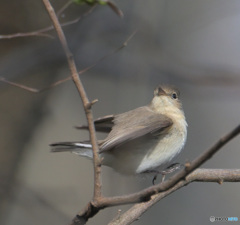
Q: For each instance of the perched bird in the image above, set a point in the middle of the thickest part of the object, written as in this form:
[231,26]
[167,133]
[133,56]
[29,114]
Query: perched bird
[143,140]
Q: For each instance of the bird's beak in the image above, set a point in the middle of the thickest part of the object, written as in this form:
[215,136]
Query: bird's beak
[159,91]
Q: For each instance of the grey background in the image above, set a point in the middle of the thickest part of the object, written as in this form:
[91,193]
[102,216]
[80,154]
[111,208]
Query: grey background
[191,44]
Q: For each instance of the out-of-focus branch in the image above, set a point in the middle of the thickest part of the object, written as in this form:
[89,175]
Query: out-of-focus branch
[35,90]
[64,7]
[200,175]
[86,103]
[42,32]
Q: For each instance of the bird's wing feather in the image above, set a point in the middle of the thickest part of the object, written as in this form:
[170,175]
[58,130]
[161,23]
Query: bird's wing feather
[134,124]
[102,124]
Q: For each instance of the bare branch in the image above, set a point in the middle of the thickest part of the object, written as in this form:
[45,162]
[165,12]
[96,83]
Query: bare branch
[65,6]
[83,95]
[203,175]
[214,175]
[28,34]
[115,8]
[19,85]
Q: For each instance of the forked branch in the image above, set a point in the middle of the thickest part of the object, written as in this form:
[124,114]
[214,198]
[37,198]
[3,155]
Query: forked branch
[198,175]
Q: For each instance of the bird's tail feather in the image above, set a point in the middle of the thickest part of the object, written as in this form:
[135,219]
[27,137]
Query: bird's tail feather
[79,148]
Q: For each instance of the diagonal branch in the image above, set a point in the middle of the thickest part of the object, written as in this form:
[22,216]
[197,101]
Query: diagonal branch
[86,103]
[199,175]
[145,194]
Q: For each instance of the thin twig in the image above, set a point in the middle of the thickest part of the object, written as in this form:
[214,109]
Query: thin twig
[115,8]
[124,44]
[202,175]
[65,6]
[83,95]
[89,11]
[35,90]
[39,33]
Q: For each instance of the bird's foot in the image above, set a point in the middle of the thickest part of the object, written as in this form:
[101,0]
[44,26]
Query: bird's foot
[170,169]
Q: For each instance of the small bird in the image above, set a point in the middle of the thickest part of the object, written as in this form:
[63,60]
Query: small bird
[143,140]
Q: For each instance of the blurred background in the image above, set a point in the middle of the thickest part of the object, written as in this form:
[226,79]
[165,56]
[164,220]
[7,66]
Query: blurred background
[193,45]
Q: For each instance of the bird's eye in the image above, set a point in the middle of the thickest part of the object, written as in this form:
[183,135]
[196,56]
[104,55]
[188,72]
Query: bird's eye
[174,96]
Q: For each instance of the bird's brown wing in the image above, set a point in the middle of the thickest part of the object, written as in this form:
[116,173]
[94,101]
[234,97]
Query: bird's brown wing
[102,124]
[134,124]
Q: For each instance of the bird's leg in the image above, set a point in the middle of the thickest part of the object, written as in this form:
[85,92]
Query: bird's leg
[154,178]
[170,169]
